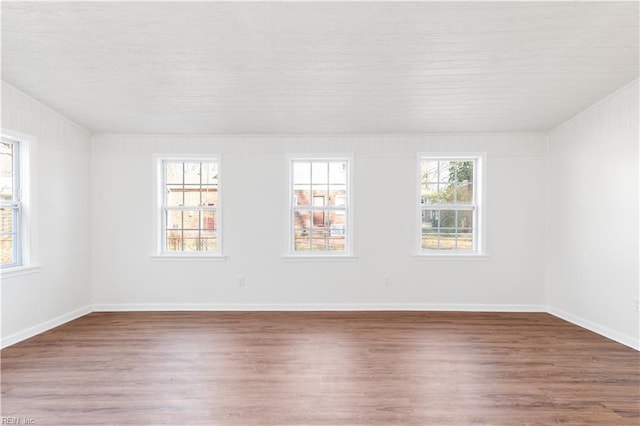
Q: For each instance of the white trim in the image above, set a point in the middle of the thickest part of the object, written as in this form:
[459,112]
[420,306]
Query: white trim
[480,201]
[319,257]
[27,157]
[425,307]
[44,326]
[17,271]
[462,257]
[422,307]
[187,258]
[630,341]
[157,222]
[349,208]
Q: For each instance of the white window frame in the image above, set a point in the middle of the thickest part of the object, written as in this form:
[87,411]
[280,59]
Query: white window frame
[27,241]
[160,207]
[479,244]
[348,207]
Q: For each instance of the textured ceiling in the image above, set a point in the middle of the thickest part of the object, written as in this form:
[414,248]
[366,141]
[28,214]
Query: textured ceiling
[319,68]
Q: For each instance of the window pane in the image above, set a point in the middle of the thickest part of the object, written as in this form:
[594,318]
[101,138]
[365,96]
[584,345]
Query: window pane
[319,239]
[337,243]
[192,173]
[465,193]
[465,240]
[319,218]
[191,241]
[302,240]
[209,221]
[173,172]
[9,216]
[444,170]
[7,255]
[337,225]
[209,243]
[338,173]
[191,230]
[462,171]
[192,184]
[191,219]
[210,195]
[449,182]
[302,194]
[319,198]
[446,193]
[6,220]
[447,241]
[429,193]
[447,218]
[6,169]
[319,173]
[430,229]
[430,240]
[337,195]
[174,219]
[447,229]
[318,185]
[209,173]
[302,219]
[464,219]
[175,194]
[6,188]
[336,219]
[174,240]
[430,219]
[6,152]
[192,195]
[429,171]
[301,172]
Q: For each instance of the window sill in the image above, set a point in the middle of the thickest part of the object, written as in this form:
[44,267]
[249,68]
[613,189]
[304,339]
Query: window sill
[18,271]
[187,258]
[461,257]
[319,257]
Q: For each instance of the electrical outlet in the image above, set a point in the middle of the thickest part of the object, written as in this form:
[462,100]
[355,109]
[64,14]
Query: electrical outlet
[387,280]
[636,305]
[240,280]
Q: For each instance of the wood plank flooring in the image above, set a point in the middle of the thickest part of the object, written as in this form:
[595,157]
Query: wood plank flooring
[320,368]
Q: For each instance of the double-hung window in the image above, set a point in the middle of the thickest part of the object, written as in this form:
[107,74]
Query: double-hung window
[319,194]
[190,206]
[10,203]
[449,204]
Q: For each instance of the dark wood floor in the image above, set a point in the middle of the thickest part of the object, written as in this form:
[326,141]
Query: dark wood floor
[320,368]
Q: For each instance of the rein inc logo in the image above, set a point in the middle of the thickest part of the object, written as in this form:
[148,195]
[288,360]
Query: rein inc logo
[18,421]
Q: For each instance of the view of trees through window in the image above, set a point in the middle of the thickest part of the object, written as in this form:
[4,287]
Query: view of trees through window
[9,204]
[448,204]
[190,206]
[319,205]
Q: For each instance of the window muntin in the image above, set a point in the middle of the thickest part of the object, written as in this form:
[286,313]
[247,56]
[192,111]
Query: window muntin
[319,197]
[449,204]
[190,206]
[10,204]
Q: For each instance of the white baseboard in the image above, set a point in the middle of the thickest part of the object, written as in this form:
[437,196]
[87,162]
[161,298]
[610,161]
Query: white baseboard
[44,326]
[632,342]
[117,307]
[441,307]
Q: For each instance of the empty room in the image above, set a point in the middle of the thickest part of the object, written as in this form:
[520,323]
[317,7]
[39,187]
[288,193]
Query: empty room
[320,213]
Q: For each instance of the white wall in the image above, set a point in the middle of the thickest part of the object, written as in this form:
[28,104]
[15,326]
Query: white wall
[96,234]
[592,266]
[60,290]
[124,276]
